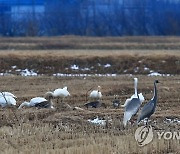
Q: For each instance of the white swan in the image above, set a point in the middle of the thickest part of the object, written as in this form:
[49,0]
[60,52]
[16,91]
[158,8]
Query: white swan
[40,102]
[141,97]
[96,94]
[61,93]
[7,94]
[7,101]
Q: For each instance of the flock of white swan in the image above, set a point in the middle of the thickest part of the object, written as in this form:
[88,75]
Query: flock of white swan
[131,106]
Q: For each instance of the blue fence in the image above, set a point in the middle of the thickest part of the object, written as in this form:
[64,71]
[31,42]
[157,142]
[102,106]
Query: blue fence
[89,17]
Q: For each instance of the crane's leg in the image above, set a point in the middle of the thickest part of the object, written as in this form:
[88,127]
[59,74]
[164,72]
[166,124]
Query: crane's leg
[132,121]
[147,122]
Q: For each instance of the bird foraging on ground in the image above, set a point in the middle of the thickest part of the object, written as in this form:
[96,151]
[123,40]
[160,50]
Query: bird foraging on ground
[150,107]
[40,102]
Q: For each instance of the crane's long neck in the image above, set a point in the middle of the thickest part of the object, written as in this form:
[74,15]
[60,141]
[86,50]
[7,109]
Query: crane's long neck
[135,87]
[155,93]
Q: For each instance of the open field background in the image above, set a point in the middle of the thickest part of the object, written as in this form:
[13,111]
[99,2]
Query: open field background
[126,55]
[64,130]
[75,42]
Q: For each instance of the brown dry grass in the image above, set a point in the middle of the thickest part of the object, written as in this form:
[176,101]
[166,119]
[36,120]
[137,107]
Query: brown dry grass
[50,62]
[84,53]
[67,131]
[56,54]
[64,130]
[75,42]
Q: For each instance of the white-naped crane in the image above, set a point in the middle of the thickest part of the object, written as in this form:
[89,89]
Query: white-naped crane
[150,107]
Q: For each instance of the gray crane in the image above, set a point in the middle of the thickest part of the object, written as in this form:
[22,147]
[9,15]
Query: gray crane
[149,108]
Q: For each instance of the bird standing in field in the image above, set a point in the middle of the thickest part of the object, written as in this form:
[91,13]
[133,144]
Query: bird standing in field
[96,94]
[40,102]
[132,105]
[150,107]
[61,93]
[141,97]
[131,109]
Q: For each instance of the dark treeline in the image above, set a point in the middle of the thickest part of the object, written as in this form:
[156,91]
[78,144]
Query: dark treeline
[95,18]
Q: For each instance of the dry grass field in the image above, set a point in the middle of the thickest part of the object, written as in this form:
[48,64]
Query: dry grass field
[126,55]
[64,130]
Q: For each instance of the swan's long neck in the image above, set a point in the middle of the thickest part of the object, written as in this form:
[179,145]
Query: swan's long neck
[155,94]
[24,104]
[135,87]
[49,96]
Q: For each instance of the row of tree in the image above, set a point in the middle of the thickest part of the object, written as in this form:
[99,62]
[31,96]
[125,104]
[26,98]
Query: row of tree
[96,18]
